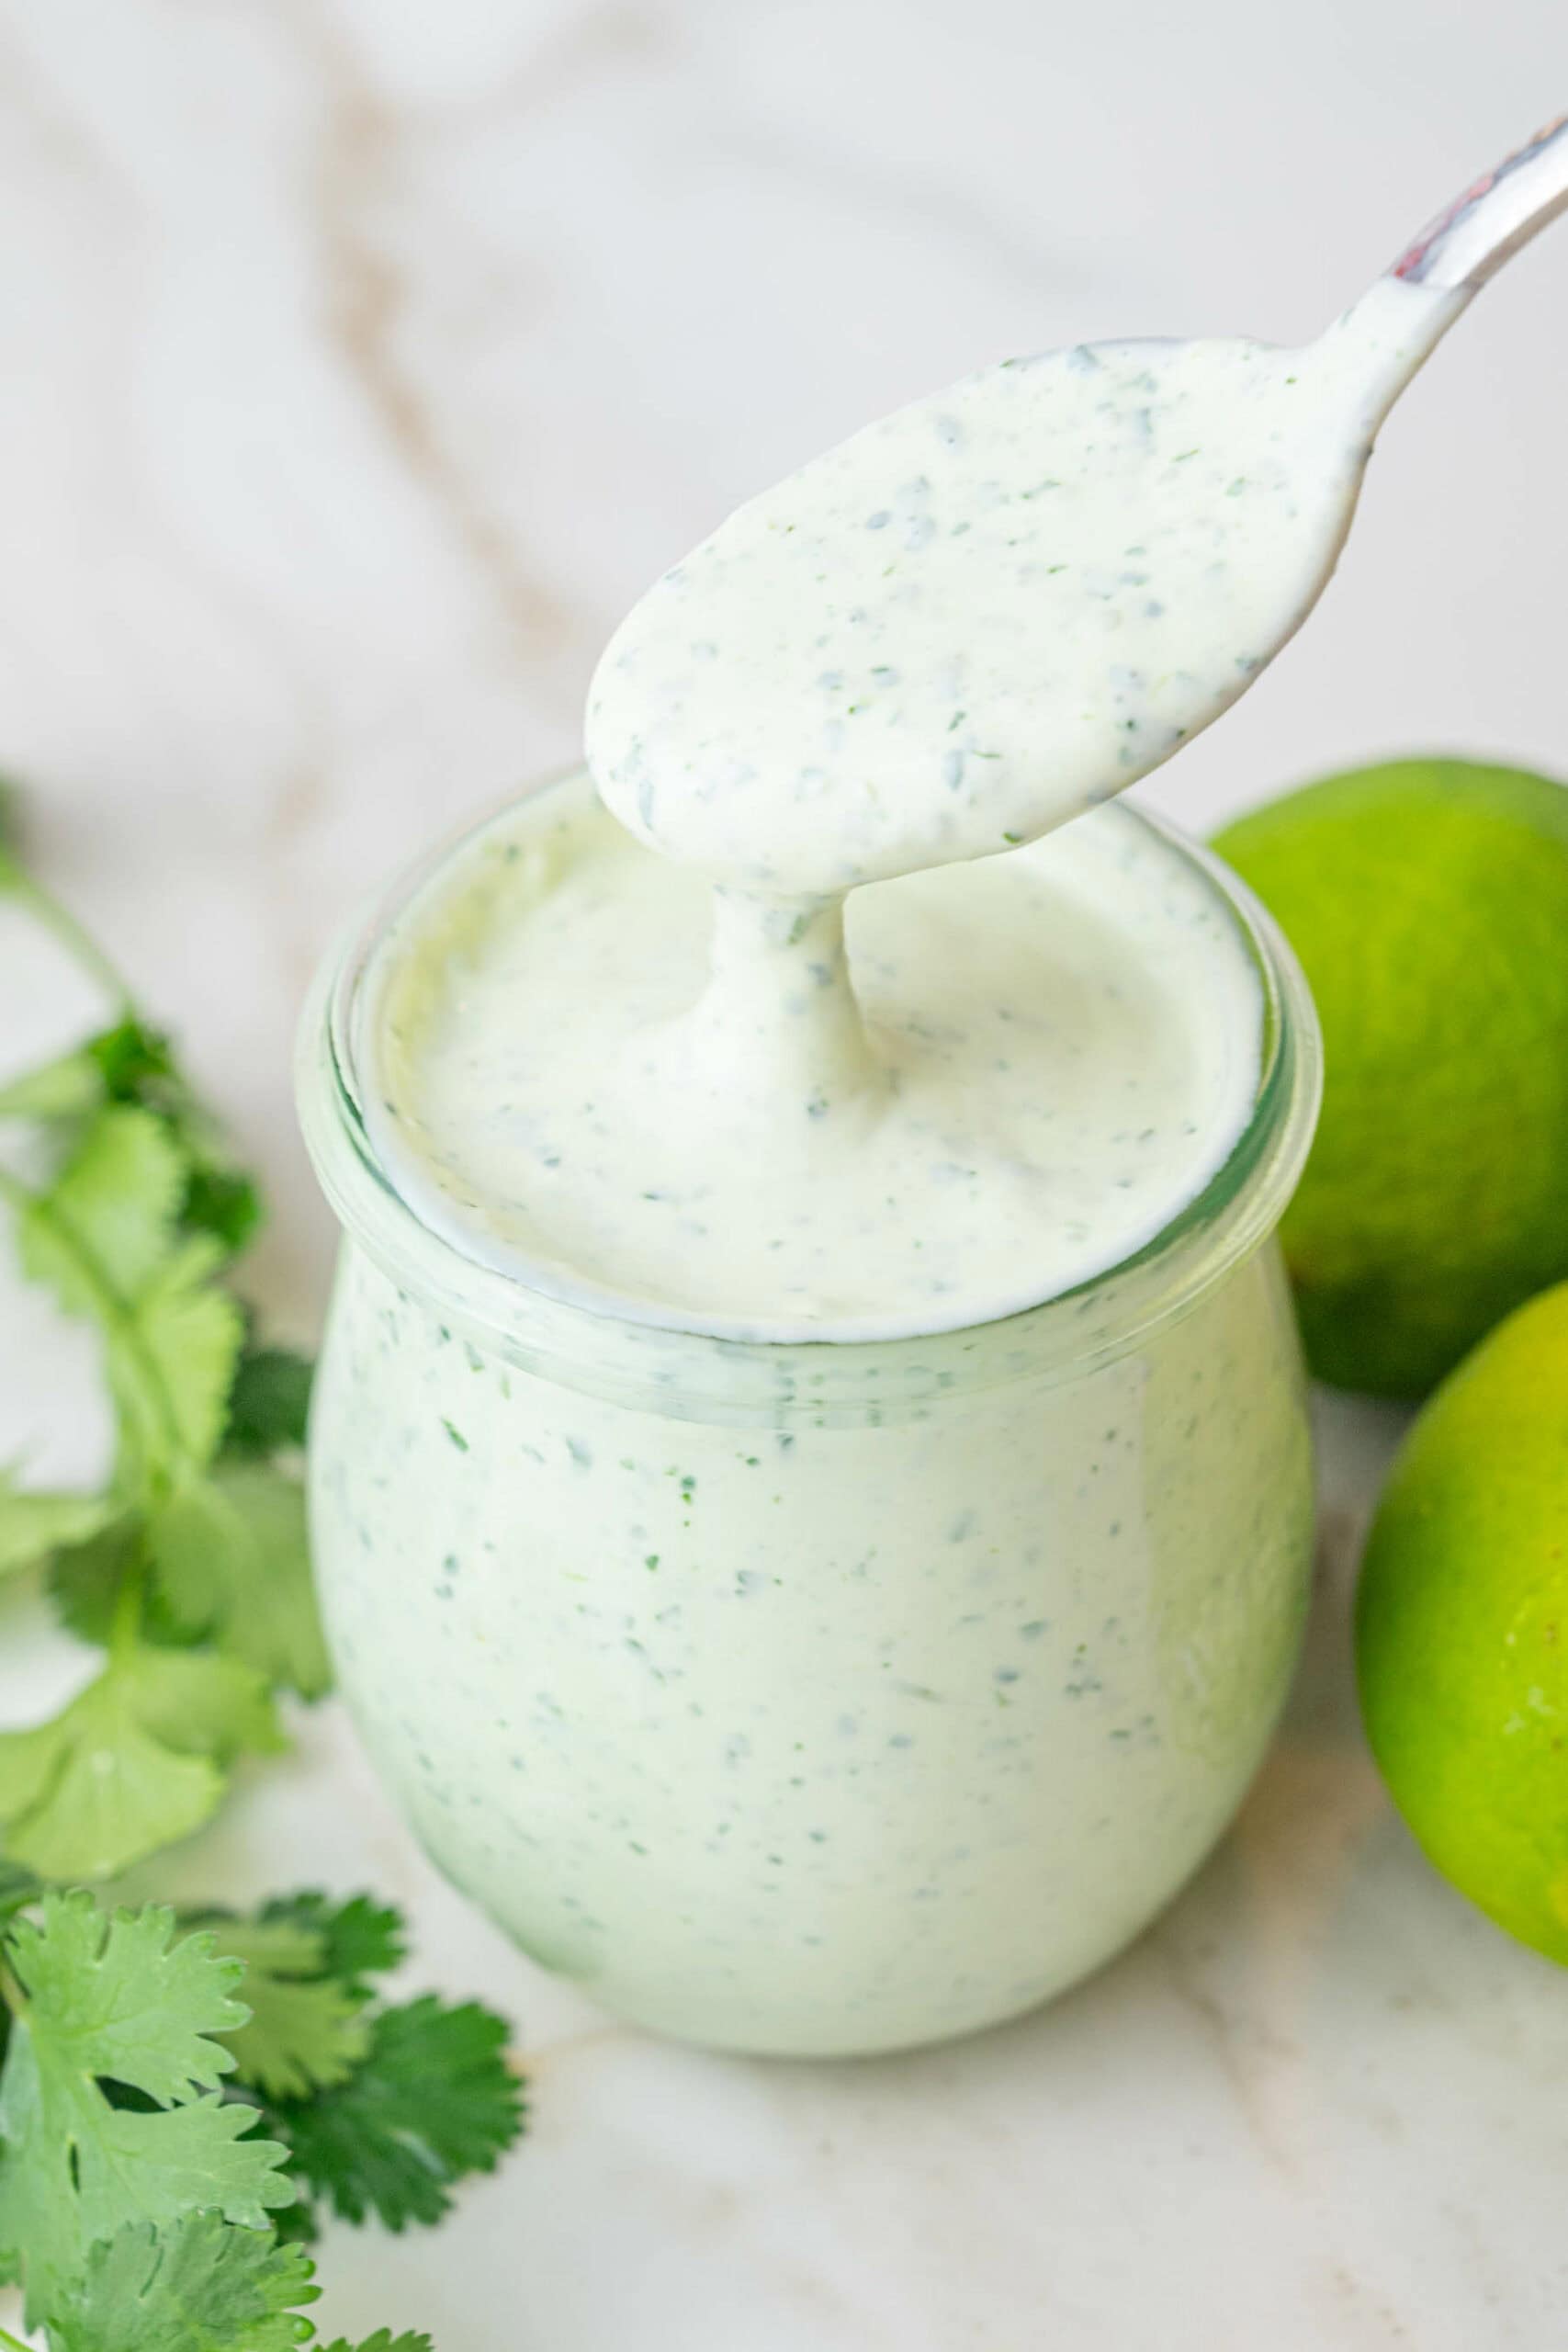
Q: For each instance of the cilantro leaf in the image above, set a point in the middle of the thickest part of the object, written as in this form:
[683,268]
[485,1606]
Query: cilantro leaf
[132,1060]
[171,1378]
[118,1993]
[359,1938]
[135,1761]
[224,1202]
[308,1963]
[434,2098]
[307,2030]
[85,1582]
[269,1401]
[383,2341]
[67,1088]
[109,1214]
[132,1065]
[230,1562]
[74,1820]
[118,2001]
[33,1524]
[194,1700]
[105,1237]
[202,2286]
[115,1065]
[86,1579]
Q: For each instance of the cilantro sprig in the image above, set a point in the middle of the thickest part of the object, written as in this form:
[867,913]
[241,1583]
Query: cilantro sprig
[191,1567]
[165,2144]
[381,2108]
[97,2001]
[198,2287]
[431,2100]
[175,2099]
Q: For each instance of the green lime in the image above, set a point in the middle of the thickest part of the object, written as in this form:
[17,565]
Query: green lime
[1427,901]
[1461,1627]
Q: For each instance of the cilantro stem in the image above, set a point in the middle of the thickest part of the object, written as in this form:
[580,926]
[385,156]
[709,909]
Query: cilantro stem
[79,944]
[125,1624]
[11,2343]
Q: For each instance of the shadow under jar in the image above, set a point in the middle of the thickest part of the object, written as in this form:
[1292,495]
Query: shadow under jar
[823,1698]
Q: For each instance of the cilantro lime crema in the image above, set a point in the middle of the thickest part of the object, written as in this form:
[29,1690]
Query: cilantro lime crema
[827,1697]
[807,1031]
[635,1092]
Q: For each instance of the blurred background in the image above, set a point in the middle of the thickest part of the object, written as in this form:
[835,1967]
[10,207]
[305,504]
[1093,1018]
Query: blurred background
[361,360]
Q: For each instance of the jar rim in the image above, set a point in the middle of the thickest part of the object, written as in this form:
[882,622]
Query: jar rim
[599,1345]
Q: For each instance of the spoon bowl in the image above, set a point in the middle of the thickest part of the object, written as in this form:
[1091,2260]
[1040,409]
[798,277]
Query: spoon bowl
[980,615]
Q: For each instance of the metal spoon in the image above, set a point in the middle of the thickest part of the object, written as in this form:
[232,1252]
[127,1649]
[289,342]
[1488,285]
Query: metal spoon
[1470,239]
[981,616]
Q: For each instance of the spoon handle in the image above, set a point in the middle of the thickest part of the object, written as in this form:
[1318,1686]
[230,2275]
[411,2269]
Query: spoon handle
[1496,215]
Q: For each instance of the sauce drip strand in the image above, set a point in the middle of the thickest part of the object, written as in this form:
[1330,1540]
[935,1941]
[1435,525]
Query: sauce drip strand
[823,1026]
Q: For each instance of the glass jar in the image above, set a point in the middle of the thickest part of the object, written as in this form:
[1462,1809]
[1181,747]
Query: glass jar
[826,1698]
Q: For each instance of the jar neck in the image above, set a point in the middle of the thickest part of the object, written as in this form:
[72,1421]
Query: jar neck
[601,1348]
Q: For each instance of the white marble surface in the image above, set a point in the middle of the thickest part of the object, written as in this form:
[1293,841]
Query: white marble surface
[359,359]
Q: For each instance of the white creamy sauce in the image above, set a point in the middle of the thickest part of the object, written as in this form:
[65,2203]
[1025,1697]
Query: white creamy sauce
[758,1112]
[816,1739]
[785,1717]
[1044,1054]
[985,613]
